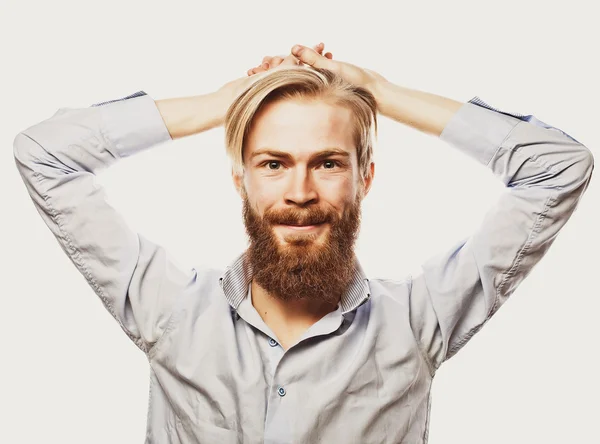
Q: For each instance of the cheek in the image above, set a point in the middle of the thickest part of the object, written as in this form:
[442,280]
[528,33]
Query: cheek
[260,194]
[340,192]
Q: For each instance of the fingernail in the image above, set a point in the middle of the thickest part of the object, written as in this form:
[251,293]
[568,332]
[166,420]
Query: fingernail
[296,49]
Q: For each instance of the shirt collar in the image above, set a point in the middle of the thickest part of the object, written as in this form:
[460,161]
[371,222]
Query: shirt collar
[237,276]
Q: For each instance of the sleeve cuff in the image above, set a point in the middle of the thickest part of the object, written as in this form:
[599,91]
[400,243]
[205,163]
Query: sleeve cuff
[478,131]
[133,125]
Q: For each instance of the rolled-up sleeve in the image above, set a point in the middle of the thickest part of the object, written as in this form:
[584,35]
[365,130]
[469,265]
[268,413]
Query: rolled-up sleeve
[136,279]
[545,172]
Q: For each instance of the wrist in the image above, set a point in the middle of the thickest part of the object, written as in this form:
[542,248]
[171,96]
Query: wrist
[220,101]
[185,116]
[381,90]
[203,112]
[421,110]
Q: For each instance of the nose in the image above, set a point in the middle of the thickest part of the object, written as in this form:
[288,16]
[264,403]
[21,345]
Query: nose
[301,190]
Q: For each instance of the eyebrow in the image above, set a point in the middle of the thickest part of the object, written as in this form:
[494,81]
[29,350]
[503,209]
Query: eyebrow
[319,155]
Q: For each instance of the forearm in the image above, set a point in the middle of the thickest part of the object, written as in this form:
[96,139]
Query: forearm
[185,116]
[423,111]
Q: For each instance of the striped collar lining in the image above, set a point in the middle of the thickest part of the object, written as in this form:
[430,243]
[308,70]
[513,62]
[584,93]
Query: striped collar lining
[237,277]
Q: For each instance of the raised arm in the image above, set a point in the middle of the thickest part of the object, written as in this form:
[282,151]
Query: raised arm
[545,172]
[58,158]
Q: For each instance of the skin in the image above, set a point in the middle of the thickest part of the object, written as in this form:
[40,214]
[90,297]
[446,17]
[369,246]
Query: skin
[301,179]
[289,164]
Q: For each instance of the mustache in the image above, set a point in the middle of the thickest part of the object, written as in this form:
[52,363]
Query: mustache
[313,216]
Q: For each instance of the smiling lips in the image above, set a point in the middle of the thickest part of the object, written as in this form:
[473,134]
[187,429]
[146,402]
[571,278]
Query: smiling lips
[302,227]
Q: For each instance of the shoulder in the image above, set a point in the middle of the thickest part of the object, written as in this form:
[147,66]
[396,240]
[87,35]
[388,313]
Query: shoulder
[205,290]
[390,292]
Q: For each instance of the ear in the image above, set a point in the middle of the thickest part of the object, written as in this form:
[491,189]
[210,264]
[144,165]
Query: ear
[368,180]
[238,182]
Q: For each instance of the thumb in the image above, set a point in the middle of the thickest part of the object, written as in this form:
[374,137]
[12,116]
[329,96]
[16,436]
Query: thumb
[310,57]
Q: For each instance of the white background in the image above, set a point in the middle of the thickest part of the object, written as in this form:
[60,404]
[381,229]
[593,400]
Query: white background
[68,372]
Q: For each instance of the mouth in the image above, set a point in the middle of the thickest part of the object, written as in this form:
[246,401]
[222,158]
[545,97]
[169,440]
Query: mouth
[302,227]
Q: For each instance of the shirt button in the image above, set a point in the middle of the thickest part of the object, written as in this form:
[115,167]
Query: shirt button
[272,342]
[281,391]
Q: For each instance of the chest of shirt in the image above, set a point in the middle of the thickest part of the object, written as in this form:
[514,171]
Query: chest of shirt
[219,372]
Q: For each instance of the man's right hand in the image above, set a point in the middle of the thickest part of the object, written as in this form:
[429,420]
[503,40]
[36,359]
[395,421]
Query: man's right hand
[314,57]
[269,62]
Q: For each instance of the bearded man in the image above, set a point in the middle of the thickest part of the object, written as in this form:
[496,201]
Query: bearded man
[293,343]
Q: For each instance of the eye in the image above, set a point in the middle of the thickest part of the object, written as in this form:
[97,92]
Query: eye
[329,164]
[273,165]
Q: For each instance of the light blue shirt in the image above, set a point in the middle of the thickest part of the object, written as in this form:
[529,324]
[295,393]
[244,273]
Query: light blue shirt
[361,374]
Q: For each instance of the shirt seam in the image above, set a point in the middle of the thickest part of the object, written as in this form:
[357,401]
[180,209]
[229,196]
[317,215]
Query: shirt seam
[105,133]
[501,144]
[507,274]
[427,418]
[422,353]
[512,270]
[149,408]
[148,348]
[77,258]
[172,319]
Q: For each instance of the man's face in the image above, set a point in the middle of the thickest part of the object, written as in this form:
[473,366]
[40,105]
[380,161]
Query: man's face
[302,190]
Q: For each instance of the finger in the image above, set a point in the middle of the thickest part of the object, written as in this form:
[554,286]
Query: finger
[319,47]
[266,59]
[256,70]
[310,57]
[290,60]
[276,61]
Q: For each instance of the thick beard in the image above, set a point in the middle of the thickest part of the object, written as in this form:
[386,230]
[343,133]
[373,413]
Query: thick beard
[303,268]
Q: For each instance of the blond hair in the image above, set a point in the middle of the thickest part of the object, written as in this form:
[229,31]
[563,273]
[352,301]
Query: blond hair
[301,83]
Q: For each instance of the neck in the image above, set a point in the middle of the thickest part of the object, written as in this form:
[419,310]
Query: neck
[293,314]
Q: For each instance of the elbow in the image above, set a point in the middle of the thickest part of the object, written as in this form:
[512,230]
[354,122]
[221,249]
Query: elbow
[586,162]
[24,149]
[29,154]
[19,145]
[33,141]
[577,173]
[573,172]
[23,145]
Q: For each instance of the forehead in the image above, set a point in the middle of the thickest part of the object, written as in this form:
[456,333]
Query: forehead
[301,127]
